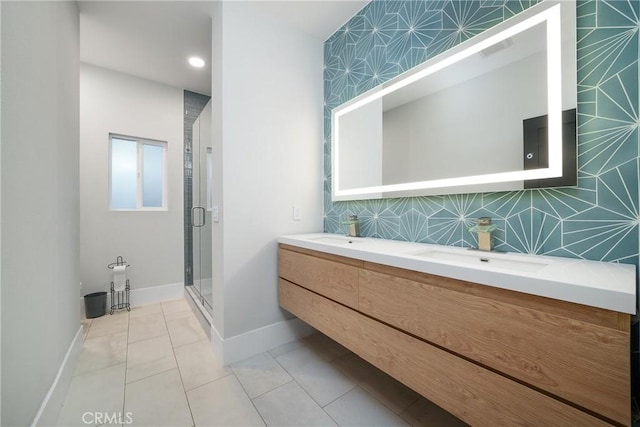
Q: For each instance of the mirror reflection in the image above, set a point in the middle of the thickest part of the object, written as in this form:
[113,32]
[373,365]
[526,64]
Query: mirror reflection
[462,120]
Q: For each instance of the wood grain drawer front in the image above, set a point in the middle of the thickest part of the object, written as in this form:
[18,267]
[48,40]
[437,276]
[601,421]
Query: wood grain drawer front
[332,279]
[581,362]
[474,394]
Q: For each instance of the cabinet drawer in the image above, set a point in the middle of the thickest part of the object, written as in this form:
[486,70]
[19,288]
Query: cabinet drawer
[470,392]
[333,279]
[584,363]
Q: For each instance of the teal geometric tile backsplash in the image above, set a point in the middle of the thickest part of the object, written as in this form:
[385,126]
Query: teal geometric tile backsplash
[596,220]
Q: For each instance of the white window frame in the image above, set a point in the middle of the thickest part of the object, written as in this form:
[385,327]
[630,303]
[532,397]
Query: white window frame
[141,142]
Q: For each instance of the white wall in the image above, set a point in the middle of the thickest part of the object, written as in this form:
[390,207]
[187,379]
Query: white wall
[0,209]
[217,313]
[40,250]
[151,241]
[267,126]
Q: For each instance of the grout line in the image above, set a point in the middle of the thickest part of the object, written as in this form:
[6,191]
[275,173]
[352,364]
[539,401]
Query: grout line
[205,338]
[329,415]
[305,390]
[240,382]
[209,382]
[311,397]
[255,408]
[345,372]
[264,392]
[344,394]
[147,339]
[275,388]
[410,405]
[173,350]
[300,340]
[152,375]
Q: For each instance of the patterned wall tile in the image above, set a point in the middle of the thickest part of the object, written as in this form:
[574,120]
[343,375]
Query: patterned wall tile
[597,220]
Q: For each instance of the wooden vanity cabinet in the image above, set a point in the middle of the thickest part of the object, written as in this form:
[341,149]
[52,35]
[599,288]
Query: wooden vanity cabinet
[487,355]
[330,275]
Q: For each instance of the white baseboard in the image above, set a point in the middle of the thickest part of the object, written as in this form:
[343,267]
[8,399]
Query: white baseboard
[257,341]
[217,344]
[150,295]
[154,294]
[48,413]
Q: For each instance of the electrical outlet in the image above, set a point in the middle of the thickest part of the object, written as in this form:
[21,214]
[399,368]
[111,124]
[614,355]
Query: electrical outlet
[215,213]
[296,213]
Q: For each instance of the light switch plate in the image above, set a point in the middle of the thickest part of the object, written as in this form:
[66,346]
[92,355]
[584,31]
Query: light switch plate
[296,213]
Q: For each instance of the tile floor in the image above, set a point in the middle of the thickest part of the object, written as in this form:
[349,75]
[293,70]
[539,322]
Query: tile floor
[154,366]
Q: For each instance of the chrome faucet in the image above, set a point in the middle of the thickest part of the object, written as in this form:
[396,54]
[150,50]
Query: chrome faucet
[484,228]
[354,226]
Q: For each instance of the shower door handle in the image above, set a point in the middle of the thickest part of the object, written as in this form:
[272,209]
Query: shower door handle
[193,216]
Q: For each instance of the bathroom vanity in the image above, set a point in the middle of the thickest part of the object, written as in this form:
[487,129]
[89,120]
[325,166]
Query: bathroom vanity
[495,339]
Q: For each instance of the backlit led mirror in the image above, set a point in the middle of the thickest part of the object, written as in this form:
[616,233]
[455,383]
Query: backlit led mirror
[486,115]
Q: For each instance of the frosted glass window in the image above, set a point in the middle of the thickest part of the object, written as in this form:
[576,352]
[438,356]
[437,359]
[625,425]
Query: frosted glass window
[124,174]
[137,173]
[152,179]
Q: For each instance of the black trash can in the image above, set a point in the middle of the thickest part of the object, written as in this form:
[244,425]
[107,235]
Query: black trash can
[95,304]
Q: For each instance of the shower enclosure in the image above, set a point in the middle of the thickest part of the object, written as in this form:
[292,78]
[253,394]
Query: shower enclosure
[198,182]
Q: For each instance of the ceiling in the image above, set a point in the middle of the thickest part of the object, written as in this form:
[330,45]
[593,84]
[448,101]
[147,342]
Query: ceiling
[153,39]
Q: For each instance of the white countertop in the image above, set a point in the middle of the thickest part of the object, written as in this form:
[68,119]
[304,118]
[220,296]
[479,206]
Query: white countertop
[599,284]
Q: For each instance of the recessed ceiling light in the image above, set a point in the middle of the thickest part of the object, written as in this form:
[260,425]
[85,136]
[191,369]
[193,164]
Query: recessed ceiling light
[196,62]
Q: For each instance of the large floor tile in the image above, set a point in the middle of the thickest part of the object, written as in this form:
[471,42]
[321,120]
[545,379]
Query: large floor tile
[149,357]
[185,330]
[323,381]
[109,324]
[260,374]
[423,413]
[392,393]
[176,309]
[172,377]
[102,352]
[286,348]
[148,326]
[99,391]
[145,310]
[359,408]
[222,403]
[158,400]
[290,405]
[198,364]
[324,346]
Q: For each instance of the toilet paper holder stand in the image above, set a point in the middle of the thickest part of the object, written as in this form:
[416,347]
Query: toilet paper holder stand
[119,299]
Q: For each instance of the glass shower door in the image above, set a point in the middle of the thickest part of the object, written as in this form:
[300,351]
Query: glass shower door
[201,209]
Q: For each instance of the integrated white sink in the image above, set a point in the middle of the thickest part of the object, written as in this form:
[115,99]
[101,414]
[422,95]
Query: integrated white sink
[474,258]
[336,240]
